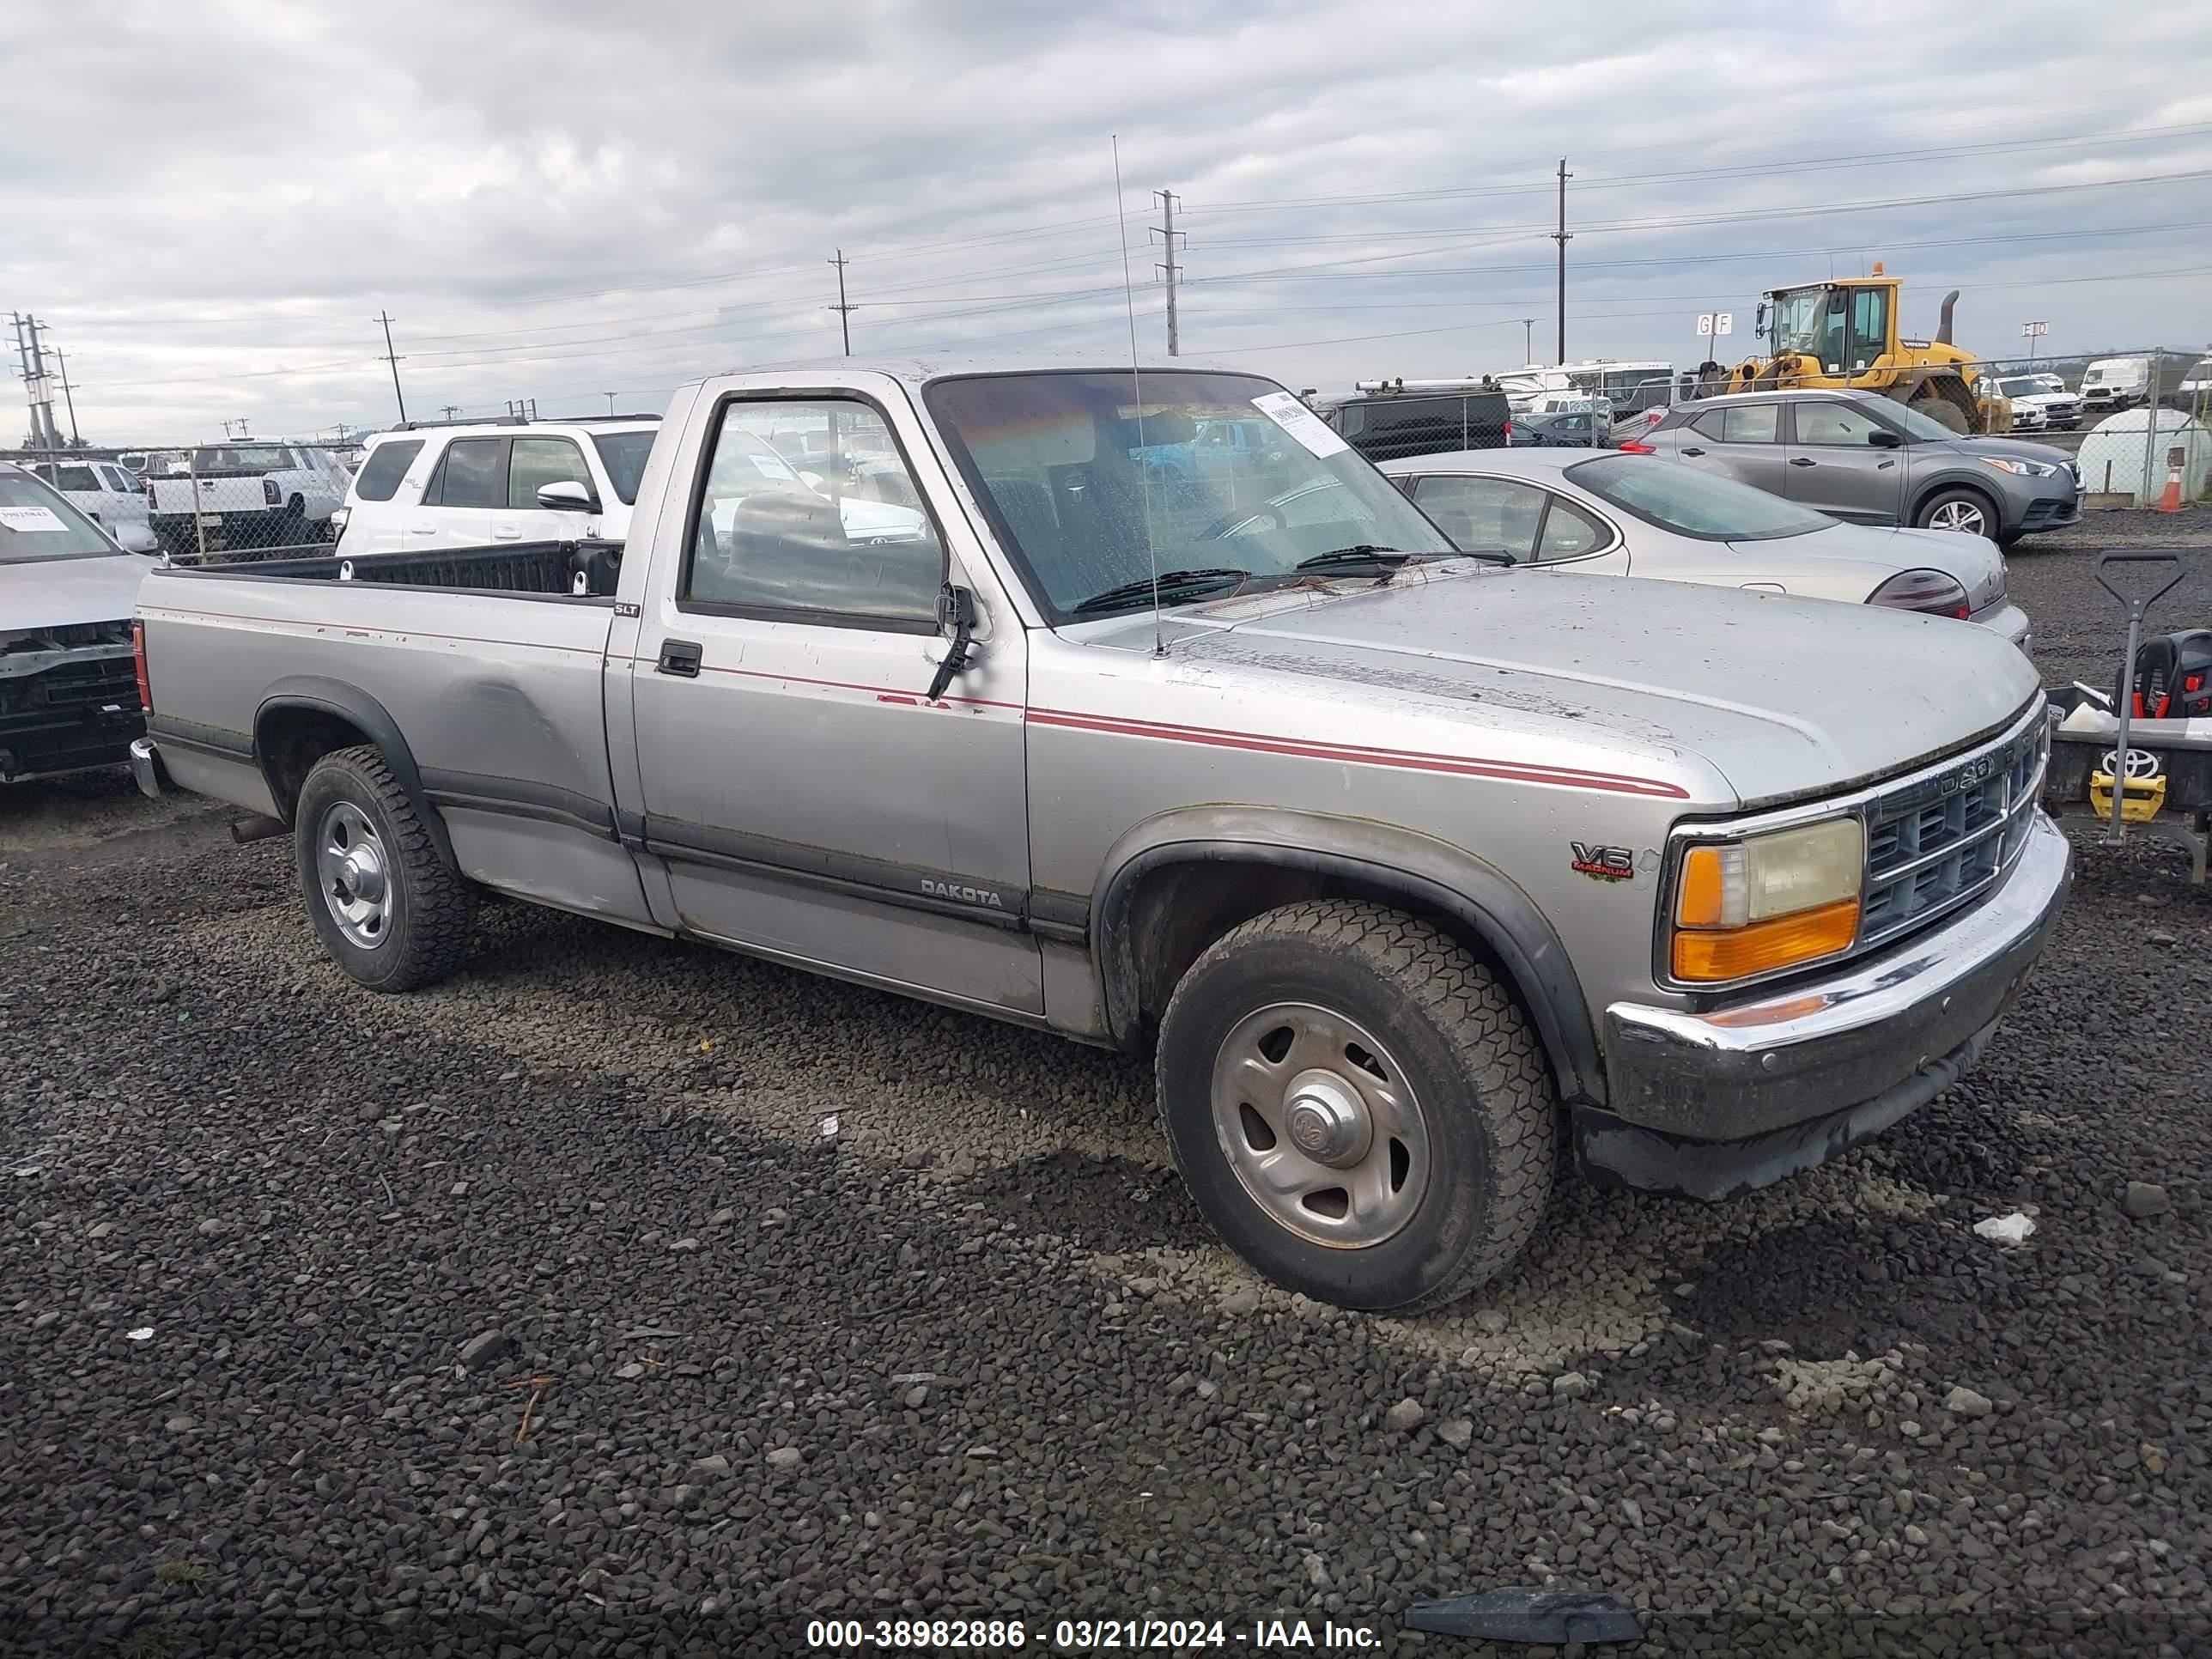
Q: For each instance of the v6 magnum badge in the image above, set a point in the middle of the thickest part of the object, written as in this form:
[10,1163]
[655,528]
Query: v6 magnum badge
[1603,863]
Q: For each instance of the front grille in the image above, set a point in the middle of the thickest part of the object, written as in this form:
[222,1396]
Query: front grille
[1938,841]
[74,715]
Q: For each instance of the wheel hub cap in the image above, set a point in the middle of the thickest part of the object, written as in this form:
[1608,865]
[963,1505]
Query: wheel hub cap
[1320,1125]
[1326,1121]
[354,875]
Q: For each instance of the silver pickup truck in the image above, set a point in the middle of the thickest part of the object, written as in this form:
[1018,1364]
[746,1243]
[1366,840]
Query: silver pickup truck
[1419,875]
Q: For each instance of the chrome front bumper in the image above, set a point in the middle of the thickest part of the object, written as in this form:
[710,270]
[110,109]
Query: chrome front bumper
[1902,1024]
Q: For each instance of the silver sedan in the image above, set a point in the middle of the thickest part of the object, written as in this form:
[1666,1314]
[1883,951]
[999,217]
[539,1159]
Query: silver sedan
[1617,514]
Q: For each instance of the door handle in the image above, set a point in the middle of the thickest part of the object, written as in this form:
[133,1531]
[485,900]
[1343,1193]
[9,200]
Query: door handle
[1692,452]
[1802,460]
[679,657]
[421,529]
[506,533]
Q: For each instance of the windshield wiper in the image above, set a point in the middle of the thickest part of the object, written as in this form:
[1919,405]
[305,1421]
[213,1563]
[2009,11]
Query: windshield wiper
[1169,581]
[1361,555]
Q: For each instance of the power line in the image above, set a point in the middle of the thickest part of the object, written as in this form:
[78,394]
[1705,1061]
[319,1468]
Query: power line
[1762,168]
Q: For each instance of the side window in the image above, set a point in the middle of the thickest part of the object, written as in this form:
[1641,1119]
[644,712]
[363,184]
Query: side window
[1712,424]
[1869,325]
[1569,532]
[786,535]
[386,465]
[539,461]
[1483,515]
[1753,423]
[1826,423]
[475,473]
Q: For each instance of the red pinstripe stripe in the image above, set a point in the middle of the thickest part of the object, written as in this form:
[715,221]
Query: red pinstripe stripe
[1360,754]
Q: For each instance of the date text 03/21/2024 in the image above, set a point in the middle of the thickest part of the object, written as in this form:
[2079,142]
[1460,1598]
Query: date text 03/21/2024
[1085,1635]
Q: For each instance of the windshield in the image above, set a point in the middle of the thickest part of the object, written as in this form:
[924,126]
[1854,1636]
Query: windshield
[2022,388]
[1796,321]
[1073,485]
[36,524]
[239,458]
[1689,502]
[623,454]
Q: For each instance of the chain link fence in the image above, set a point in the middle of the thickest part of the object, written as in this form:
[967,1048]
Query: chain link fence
[209,504]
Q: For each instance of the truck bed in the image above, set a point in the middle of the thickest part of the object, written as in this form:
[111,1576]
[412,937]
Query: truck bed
[574,568]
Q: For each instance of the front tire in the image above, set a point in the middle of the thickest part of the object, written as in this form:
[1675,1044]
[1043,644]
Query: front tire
[388,907]
[1358,1106]
[1967,512]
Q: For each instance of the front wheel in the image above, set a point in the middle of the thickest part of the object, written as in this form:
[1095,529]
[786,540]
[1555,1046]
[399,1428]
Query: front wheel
[1967,512]
[388,908]
[1358,1106]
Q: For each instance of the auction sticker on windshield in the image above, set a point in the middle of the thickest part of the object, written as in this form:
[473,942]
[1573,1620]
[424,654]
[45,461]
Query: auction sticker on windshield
[1311,432]
[30,519]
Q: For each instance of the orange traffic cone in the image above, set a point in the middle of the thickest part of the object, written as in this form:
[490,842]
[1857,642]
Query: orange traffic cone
[2171,501]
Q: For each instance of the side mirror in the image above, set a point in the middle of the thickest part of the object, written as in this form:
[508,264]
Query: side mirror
[567,495]
[956,611]
[1882,438]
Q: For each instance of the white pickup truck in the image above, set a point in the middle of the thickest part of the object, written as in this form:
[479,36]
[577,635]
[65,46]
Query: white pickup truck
[233,497]
[1419,877]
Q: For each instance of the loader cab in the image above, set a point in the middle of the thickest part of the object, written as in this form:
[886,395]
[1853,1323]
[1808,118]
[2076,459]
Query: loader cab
[1846,326]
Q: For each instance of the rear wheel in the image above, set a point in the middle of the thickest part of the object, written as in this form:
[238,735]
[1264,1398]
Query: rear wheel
[388,908]
[1968,512]
[1358,1106]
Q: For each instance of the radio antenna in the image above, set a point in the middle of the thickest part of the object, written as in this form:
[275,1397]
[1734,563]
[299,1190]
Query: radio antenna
[1137,379]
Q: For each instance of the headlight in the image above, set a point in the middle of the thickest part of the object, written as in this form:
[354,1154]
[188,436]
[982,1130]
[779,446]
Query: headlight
[1767,901]
[1928,590]
[2024,469]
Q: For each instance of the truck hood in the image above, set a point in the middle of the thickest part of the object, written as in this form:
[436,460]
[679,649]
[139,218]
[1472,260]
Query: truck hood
[1973,562]
[1784,698]
[54,593]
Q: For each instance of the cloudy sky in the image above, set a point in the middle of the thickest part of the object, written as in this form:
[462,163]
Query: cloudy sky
[208,202]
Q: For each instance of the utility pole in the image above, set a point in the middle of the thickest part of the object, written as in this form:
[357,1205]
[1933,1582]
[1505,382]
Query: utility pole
[1562,236]
[68,396]
[1527,339]
[449,410]
[392,357]
[38,389]
[1167,233]
[843,310]
[610,397]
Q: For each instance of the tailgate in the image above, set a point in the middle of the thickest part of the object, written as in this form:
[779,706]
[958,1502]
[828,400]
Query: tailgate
[236,494]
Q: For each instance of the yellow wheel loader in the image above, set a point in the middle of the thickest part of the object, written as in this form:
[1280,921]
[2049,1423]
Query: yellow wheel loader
[1843,333]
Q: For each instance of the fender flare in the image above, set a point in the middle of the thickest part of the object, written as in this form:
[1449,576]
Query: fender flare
[1430,872]
[351,703]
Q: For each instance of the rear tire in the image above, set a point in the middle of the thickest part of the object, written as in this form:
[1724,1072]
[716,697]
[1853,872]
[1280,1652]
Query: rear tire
[388,907]
[1968,512]
[1358,1106]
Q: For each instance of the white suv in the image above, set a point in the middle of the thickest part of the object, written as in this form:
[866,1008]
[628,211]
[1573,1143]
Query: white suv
[478,485]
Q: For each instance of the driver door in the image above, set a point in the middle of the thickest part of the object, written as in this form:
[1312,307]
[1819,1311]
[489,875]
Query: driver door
[808,801]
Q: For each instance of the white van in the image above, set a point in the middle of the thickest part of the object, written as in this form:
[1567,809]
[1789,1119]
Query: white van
[479,484]
[2115,383]
[105,493]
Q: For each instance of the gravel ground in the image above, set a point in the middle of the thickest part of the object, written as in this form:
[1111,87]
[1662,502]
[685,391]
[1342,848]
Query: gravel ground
[2080,630]
[289,1266]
